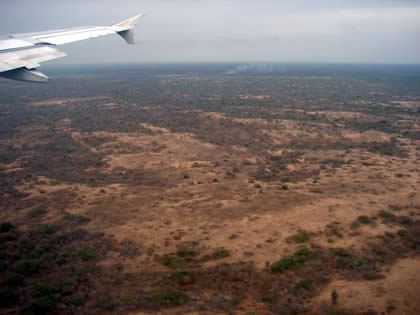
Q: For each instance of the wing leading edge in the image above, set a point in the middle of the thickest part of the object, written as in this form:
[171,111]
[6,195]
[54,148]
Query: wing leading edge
[20,54]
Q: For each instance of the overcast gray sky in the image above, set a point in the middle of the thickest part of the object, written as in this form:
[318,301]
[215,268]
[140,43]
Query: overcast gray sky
[378,31]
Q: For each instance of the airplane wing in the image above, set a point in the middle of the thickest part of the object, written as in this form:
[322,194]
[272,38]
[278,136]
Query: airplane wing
[21,54]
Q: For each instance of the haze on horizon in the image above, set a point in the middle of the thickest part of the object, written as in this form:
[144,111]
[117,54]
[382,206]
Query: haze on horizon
[369,31]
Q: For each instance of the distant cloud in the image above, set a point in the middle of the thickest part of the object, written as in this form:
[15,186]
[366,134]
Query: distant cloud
[232,30]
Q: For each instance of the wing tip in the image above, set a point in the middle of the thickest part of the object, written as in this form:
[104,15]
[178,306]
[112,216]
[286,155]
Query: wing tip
[127,24]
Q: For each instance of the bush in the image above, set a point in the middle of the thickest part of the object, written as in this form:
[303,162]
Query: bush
[76,301]
[43,247]
[363,219]
[405,220]
[271,298]
[6,296]
[36,212]
[402,233]
[43,304]
[285,187]
[283,264]
[304,284]
[86,254]
[387,215]
[342,262]
[184,251]
[177,275]
[171,261]
[42,289]
[63,258]
[289,262]
[13,280]
[170,297]
[338,251]
[28,266]
[299,237]
[48,229]
[6,227]
[220,252]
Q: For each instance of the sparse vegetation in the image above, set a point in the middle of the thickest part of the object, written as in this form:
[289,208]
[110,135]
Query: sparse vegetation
[177,159]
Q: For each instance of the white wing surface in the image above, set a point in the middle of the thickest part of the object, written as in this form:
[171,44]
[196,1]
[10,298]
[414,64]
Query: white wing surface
[20,54]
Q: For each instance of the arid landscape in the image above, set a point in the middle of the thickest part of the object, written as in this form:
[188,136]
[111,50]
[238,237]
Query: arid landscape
[181,189]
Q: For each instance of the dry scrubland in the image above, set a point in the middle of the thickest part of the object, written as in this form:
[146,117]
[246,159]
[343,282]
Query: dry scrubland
[176,193]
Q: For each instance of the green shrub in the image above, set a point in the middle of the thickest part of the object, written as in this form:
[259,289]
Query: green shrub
[299,237]
[283,264]
[302,254]
[61,238]
[172,261]
[86,254]
[177,275]
[63,258]
[387,215]
[43,247]
[271,298]
[6,296]
[220,252]
[402,233]
[288,262]
[285,187]
[6,227]
[43,289]
[48,229]
[43,304]
[13,280]
[36,212]
[304,284]
[166,259]
[338,251]
[363,219]
[76,301]
[127,299]
[28,266]
[185,251]
[405,220]
[25,246]
[170,297]
[343,262]
[84,269]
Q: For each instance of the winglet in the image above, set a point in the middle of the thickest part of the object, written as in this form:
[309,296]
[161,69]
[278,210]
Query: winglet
[125,28]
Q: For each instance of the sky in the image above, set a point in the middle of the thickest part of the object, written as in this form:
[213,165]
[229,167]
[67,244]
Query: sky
[325,31]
